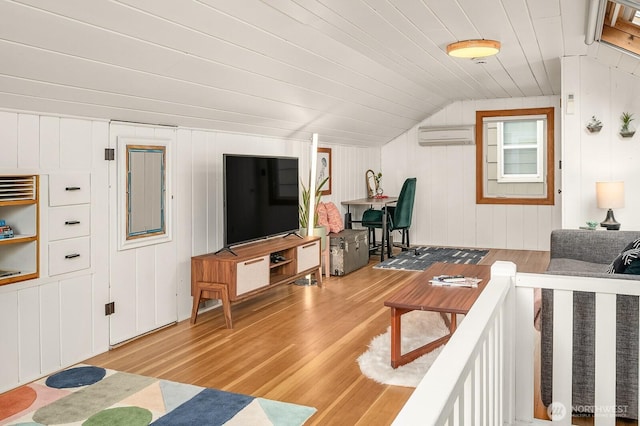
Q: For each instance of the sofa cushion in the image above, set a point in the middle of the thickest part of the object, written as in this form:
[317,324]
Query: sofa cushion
[575,267]
[635,244]
[633,268]
[623,260]
[323,218]
[590,246]
[335,219]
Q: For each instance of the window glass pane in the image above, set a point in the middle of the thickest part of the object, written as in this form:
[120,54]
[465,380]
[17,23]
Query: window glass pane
[520,132]
[521,161]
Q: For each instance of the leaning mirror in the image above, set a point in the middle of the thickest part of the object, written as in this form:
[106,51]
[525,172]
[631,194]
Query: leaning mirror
[514,156]
[370,177]
[143,192]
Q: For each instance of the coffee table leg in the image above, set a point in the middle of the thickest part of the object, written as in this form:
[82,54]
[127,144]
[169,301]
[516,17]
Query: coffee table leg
[395,337]
[397,357]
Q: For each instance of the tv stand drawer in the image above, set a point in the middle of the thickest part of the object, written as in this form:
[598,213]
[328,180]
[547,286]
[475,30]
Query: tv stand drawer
[308,256]
[252,274]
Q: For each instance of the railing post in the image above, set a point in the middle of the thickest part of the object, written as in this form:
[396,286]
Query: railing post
[507,269]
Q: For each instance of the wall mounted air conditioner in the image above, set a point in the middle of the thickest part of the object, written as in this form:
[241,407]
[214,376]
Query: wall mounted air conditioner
[449,135]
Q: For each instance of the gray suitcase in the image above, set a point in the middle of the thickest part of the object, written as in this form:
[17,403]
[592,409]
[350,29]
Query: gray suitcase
[349,250]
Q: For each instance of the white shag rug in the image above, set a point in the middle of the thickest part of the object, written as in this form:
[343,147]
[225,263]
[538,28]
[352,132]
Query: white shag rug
[418,328]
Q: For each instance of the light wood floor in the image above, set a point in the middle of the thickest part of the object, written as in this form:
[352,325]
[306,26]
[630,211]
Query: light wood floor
[294,343]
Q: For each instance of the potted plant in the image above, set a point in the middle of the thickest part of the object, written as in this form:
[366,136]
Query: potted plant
[626,119]
[378,178]
[304,212]
[594,125]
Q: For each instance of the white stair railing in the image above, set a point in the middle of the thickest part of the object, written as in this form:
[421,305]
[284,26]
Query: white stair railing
[485,373]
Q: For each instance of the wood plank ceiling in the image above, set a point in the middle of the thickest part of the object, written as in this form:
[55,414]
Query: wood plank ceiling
[358,72]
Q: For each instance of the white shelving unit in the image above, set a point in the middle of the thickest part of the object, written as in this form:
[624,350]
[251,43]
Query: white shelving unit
[19,210]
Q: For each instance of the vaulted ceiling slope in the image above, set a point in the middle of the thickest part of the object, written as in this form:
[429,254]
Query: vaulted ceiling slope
[358,72]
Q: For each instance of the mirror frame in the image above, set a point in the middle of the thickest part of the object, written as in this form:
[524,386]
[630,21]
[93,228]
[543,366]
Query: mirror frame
[370,177]
[125,239]
[132,193]
[549,199]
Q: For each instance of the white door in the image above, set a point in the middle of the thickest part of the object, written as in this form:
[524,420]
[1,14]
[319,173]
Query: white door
[143,278]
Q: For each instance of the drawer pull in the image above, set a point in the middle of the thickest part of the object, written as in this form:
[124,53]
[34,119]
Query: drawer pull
[72,188]
[251,262]
[309,245]
[71,256]
[72,222]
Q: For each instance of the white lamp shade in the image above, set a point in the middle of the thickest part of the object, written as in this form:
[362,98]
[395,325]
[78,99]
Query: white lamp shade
[610,195]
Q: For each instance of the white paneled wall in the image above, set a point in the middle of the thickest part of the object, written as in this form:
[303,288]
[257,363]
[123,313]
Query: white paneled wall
[53,322]
[445,210]
[605,92]
[200,187]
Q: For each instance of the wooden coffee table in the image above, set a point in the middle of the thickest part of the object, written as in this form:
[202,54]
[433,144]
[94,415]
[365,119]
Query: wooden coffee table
[420,295]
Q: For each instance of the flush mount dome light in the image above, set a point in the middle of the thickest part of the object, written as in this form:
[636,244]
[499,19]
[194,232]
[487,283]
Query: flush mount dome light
[473,48]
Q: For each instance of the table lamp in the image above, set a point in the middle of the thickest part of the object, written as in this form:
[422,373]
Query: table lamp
[610,195]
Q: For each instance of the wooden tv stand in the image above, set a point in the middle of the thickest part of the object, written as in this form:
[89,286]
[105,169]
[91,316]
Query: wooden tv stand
[232,278]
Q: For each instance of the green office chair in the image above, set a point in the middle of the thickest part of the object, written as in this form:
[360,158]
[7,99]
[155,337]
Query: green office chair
[398,217]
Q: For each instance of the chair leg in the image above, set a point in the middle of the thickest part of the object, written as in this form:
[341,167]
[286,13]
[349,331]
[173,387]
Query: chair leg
[372,239]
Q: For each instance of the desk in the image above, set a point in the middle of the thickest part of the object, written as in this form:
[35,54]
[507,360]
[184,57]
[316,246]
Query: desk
[373,203]
[419,295]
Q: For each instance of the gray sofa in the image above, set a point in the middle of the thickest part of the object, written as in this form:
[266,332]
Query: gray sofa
[588,253]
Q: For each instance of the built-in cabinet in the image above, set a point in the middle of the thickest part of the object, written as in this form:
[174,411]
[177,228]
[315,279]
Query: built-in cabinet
[52,313]
[69,222]
[19,234]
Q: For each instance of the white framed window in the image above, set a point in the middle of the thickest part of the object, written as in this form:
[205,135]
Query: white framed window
[515,156]
[520,149]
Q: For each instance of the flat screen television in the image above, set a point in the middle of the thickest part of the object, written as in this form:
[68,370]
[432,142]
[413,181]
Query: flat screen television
[260,197]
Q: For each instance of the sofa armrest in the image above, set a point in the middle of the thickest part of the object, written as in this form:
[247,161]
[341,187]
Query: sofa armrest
[589,246]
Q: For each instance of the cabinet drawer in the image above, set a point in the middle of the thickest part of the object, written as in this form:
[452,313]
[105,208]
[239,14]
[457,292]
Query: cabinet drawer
[69,222]
[69,188]
[308,256]
[69,255]
[252,274]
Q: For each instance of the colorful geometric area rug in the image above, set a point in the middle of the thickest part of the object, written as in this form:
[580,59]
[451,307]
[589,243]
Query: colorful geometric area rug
[88,395]
[420,258]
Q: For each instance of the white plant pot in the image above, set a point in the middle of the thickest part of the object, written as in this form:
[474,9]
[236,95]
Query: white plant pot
[318,231]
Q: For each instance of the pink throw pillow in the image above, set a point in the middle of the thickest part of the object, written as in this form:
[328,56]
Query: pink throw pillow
[323,219]
[335,218]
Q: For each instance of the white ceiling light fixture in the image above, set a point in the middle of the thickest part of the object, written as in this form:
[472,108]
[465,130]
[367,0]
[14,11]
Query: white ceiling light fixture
[473,48]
